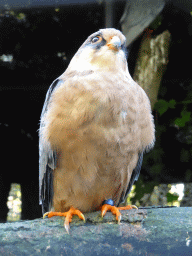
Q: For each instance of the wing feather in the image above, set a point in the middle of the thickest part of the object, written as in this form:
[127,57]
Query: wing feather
[47,159]
[134,177]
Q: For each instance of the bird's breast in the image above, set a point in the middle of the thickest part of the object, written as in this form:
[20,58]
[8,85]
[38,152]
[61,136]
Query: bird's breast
[92,129]
[89,110]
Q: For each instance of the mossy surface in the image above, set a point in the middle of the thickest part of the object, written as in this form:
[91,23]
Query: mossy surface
[141,232]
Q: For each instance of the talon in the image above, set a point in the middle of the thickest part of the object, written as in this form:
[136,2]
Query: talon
[68,216]
[115,210]
[67,227]
[46,214]
[103,213]
[119,219]
[82,217]
[128,207]
[104,209]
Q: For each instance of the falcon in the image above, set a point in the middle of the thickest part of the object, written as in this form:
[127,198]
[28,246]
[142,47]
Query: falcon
[95,125]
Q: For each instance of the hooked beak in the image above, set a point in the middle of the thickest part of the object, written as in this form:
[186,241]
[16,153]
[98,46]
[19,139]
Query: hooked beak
[115,43]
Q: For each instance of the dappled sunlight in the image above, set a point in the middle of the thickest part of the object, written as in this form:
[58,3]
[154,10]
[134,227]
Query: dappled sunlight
[14,199]
[14,203]
[162,195]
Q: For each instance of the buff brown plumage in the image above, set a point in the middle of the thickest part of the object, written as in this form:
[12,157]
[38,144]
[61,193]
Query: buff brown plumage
[95,125]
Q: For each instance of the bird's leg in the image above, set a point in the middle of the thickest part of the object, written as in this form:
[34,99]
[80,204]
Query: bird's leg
[108,205]
[68,216]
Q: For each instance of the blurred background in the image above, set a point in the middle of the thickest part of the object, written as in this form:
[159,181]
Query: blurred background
[38,40]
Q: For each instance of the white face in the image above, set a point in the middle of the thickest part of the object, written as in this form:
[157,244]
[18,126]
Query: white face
[103,52]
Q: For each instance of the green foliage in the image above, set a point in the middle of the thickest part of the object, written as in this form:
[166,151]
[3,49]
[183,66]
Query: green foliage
[172,197]
[188,175]
[157,168]
[142,188]
[185,117]
[184,155]
[162,106]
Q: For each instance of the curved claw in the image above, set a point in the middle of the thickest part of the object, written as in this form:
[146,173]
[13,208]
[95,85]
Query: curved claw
[119,219]
[68,216]
[115,210]
[67,227]
[45,214]
[82,217]
[128,207]
[103,212]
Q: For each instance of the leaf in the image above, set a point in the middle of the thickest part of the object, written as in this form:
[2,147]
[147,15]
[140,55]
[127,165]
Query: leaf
[186,117]
[172,103]
[179,122]
[161,106]
[172,197]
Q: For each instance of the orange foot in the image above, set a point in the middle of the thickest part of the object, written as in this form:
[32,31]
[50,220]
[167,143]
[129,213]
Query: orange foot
[115,210]
[68,216]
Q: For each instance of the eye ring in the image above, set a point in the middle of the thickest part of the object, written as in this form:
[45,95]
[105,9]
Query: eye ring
[96,39]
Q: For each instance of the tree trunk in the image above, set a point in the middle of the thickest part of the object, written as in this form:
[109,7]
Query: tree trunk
[151,63]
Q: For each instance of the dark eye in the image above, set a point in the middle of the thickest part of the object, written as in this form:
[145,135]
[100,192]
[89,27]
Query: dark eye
[96,39]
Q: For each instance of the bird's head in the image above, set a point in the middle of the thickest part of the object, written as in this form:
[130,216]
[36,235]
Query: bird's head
[104,50]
